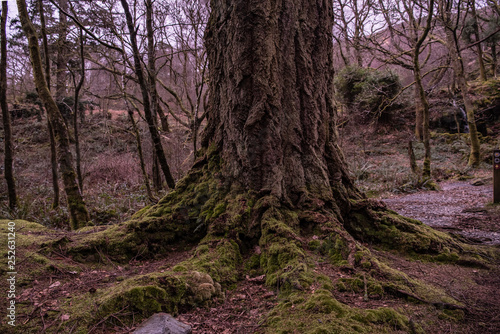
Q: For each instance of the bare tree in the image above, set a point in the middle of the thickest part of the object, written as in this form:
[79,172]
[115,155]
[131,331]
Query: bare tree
[475,26]
[77,208]
[450,16]
[405,43]
[353,20]
[78,86]
[146,98]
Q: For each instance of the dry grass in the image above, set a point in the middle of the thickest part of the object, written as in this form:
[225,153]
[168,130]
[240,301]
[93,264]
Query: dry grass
[379,163]
[113,182]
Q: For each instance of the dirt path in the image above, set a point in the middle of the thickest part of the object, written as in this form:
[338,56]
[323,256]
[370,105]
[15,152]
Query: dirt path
[459,207]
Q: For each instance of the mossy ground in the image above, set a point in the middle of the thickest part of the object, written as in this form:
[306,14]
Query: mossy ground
[243,234]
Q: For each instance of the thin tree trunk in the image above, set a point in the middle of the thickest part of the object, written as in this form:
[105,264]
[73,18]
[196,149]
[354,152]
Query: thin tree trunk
[151,60]
[77,208]
[155,136]
[418,115]
[139,152]
[445,8]
[78,87]
[61,58]
[494,59]
[129,104]
[9,154]
[53,151]
[155,172]
[413,161]
[163,118]
[424,103]
[482,69]
[53,165]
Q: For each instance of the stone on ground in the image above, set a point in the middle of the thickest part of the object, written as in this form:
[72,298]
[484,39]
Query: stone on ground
[163,323]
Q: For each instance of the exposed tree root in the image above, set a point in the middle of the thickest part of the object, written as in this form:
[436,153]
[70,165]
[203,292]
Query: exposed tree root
[229,224]
[439,305]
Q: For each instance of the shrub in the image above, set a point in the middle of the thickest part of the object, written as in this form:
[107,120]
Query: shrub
[366,92]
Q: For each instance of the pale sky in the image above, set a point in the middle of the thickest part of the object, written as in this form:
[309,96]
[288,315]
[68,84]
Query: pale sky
[12,11]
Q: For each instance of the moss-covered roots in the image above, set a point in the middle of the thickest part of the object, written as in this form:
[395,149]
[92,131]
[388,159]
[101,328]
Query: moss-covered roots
[230,225]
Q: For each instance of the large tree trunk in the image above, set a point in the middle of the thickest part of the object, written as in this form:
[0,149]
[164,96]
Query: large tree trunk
[8,154]
[77,208]
[271,111]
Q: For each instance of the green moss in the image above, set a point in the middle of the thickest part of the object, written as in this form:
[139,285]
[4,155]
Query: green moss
[219,209]
[322,301]
[392,231]
[335,247]
[385,315]
[139,297]
[253,262]
[351,284]
[220,262]
[314,244]
[146,300]
[452,315]
[398,281]
[179,268]
[341,286]
[141,212]
[447,257]
[319,312]
[375,289]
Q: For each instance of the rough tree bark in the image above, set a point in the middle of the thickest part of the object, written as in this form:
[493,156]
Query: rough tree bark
[419,120]
[153,92]
[78,210]
[272,115]
[9,153]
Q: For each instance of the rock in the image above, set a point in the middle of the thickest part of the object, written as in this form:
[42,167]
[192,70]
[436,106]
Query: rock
[163,323]
[478,182]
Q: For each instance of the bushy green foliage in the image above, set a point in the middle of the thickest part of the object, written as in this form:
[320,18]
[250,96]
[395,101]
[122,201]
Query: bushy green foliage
[366,92]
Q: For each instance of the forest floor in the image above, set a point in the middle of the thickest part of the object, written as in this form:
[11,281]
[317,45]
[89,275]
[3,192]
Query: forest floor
[379,165]
[459,207]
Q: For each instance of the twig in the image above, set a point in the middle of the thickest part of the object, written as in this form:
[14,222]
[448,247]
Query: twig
[365,297]
[106,319]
